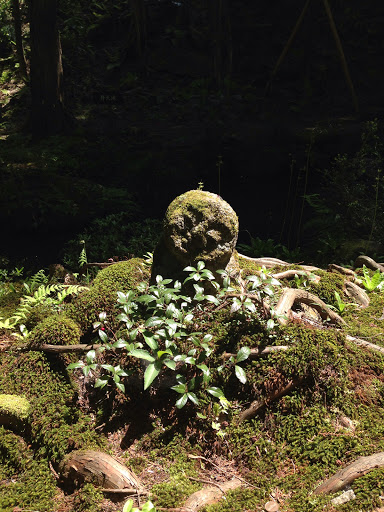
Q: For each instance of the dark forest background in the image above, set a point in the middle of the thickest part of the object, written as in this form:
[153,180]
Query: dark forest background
[109,110]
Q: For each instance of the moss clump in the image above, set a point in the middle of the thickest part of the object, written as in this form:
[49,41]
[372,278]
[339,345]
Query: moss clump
[14,405]
[102,296]
[34,487]
[56,424]
[248,267]
[88,499]
[56,330]
[329,283]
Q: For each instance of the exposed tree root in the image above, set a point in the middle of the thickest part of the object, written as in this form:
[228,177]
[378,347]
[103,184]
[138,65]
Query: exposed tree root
[99,468]
[365,344]
[347,475]
[341,270]
[356,293]
[290,274]
[210,494]
[259,352]
[369,263]
[257,405]
[292,296]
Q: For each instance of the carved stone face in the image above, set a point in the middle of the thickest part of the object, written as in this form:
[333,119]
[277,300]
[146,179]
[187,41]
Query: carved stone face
[201,226]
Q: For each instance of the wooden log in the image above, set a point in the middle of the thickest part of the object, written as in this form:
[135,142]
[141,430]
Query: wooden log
[210,494]
[98,468]
[347,475]
[291,296]
[257,405]
[368,262]
[356,293]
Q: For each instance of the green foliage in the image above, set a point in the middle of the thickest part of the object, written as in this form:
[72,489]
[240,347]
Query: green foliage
[115,235]
[148,506]
[258,248]
[372,281]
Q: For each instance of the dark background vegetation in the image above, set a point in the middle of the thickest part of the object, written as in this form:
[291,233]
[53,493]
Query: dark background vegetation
[160,96]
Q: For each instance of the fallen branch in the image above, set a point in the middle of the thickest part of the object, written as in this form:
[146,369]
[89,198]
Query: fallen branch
[126,490]
[257,405]
[211,494]
[259,352]
[291,296]
[61,349]
[347,475]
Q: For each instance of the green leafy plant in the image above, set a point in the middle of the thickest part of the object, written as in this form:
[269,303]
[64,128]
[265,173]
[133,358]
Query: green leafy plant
[376,281]
[340,304]
[148,506]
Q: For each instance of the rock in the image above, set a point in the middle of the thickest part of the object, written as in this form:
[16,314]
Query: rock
[198,226]
[344,498]
[271,506]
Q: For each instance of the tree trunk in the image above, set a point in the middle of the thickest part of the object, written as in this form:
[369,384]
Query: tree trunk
[18,39]
[47,111]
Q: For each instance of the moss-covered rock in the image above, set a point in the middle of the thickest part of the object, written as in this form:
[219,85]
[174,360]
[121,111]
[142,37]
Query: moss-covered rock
[14,405]
[102,296]
[198,226]
[56,330]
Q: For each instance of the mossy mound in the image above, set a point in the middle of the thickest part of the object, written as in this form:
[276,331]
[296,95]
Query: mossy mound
[14,405]
[102,296]
[55,330]
[34,487]
[56,424]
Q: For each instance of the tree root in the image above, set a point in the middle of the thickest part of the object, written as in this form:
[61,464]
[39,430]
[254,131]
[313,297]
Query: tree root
[290,274]
[259,352]
[98,468]
[369,263]
[345,476]
[365,344]
[210,494]
[356,293]
[257,405]
[290,296]
[341,270]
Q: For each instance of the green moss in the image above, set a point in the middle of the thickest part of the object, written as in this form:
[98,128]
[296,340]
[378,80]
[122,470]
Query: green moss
[248,267]
[88,499]
[102,296]
[174,492]
[56,424]
[55,330]
[329,283]
[17,406]
[204,205]
[34,488]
